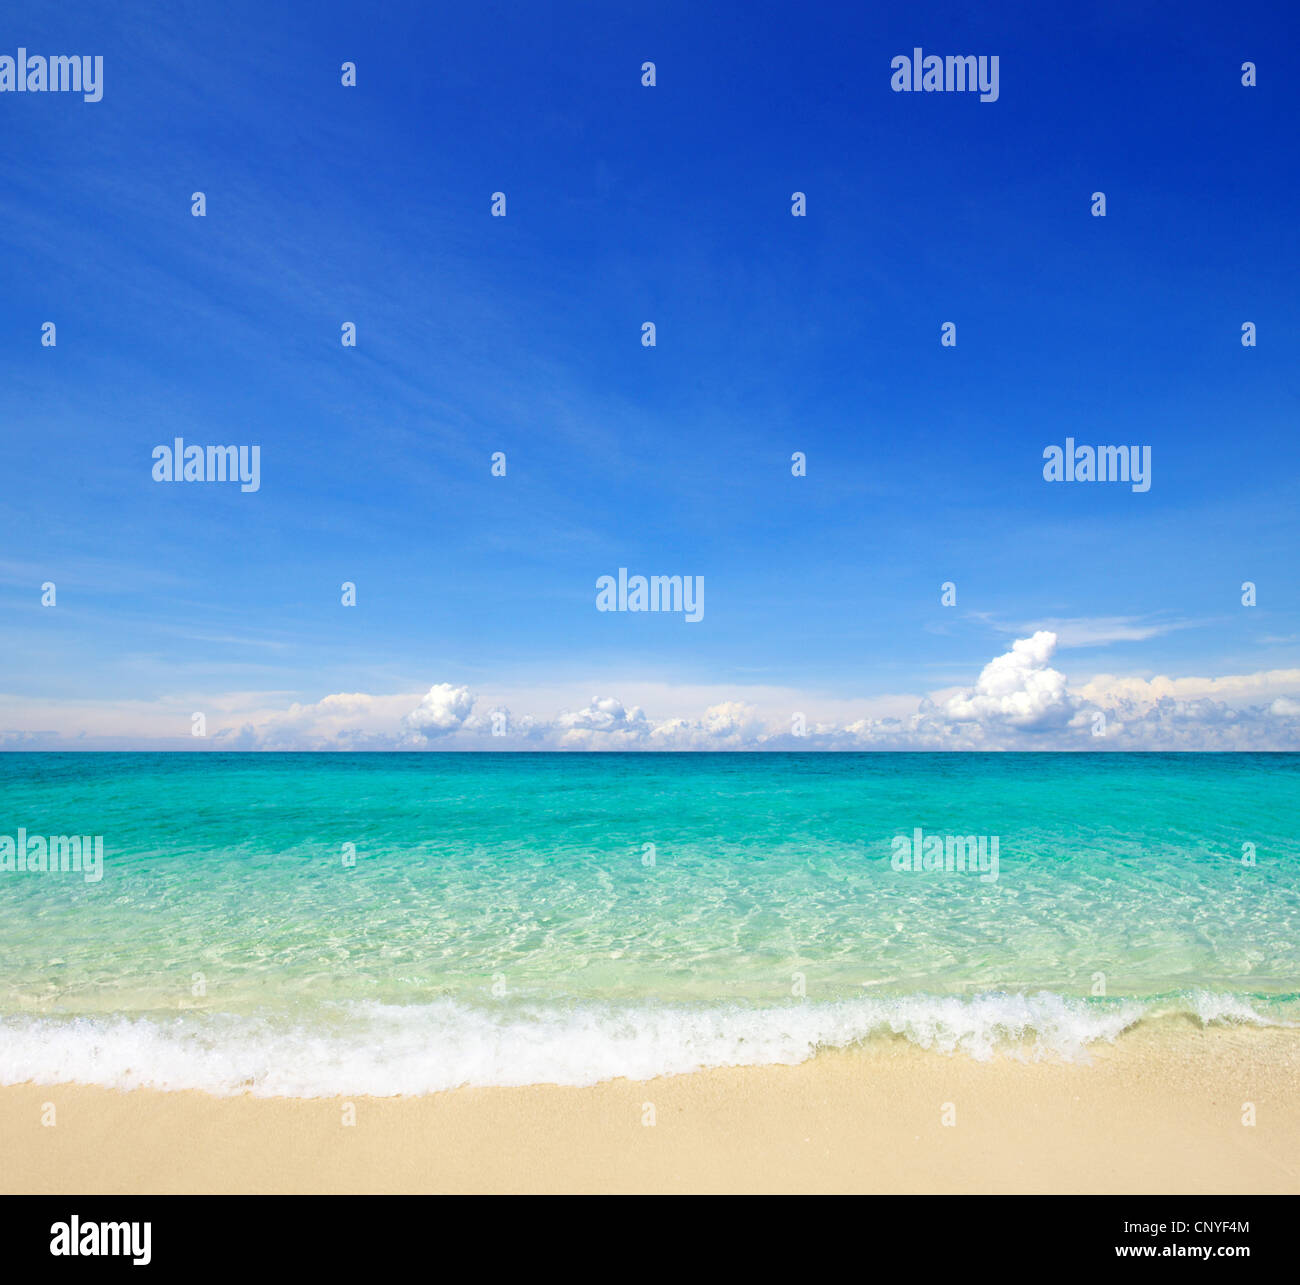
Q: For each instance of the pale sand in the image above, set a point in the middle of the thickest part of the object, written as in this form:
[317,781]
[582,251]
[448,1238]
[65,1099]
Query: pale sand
[1153,1113]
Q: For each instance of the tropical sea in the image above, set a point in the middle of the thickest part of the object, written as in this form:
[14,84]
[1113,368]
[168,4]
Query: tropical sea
[322,924]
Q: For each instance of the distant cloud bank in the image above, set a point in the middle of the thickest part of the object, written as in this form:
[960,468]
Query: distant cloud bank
[1018,701]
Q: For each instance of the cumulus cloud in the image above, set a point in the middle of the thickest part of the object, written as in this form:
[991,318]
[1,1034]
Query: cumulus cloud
[1018,689]
[603,724]
[1020,702]
[342,721]
[442,711]
[729,725]
[1146,693]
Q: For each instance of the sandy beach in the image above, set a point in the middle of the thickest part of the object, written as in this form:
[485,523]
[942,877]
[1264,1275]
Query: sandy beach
[1159,1111]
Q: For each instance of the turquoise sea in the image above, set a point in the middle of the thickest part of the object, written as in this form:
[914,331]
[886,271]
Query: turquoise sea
[501,919]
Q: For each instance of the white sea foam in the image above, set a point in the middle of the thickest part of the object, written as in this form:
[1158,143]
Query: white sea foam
[386,1050]
[1210,1006]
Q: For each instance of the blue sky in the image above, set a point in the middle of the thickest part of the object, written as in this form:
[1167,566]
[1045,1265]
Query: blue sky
[522,334]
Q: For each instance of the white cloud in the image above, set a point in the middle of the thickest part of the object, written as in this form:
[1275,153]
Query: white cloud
[1019,700]
[443,710]
[1018,689]
[1096,631]
[343,721]
[727,725]
[1234,689]
[603,724]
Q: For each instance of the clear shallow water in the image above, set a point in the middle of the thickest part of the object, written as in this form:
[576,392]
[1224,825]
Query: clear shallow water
[500,924]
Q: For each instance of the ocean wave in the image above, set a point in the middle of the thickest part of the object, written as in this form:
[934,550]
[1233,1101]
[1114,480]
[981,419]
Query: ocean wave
[383,1050]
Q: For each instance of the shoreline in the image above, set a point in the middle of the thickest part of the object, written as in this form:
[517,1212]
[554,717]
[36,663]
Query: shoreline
[1152,1113]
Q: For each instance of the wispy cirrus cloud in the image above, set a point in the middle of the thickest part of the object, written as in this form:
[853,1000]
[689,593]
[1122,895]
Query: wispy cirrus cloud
[1094,631]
